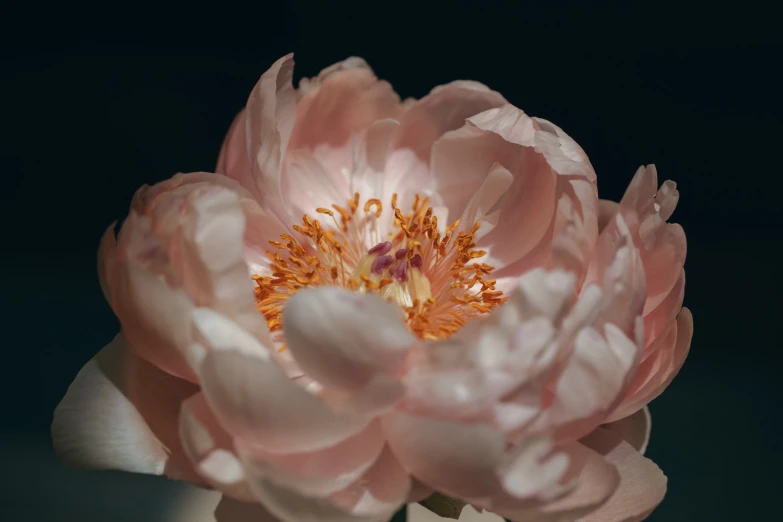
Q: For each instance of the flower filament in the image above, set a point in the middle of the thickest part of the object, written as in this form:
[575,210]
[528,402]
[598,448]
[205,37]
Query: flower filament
[433,276]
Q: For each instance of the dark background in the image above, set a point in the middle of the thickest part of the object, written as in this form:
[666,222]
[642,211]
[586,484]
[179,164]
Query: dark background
[97,102]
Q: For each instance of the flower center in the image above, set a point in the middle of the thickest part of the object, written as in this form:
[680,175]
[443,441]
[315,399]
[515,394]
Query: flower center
[434,277]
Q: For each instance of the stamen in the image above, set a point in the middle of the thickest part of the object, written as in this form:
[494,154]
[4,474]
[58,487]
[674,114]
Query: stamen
[381,263]
[401,272]
[434,274]
[381,248]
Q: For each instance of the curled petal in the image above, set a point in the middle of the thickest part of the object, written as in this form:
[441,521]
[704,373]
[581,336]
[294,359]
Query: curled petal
[634,429]
[269,122]
[595,379]
[373,498]
[444,109]
[211,449]
[318,473]
[468,461]
[255,399]
[119,414]
[348,342]
[153,311]
[662,371]
[183,245]
[642,484]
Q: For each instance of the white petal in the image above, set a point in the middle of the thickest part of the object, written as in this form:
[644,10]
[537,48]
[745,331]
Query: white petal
[97,426]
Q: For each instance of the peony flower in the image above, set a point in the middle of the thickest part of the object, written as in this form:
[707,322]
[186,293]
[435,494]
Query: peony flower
[374,300]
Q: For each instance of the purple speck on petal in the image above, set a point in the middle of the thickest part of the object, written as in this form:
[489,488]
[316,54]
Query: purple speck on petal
[381,263]
[381,248]
[401,272]
[401,253]
[417,262]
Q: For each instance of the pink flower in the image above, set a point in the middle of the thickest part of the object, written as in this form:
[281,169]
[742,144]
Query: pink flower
[373,300]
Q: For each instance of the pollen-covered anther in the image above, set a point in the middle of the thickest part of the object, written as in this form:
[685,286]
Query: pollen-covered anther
[432,273]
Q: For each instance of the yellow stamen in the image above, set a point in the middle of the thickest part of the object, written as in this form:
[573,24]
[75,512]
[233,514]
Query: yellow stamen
[441,287]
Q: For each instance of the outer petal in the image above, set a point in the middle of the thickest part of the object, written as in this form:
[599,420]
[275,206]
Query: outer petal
[444,109]
[255,399]
[662,374]
[269,121]
[318,473]
[642,484]
[183,245]
[470,462]
[120,413]
[356,344]
[466,461]
[211,449]
[543,162]
[375,497]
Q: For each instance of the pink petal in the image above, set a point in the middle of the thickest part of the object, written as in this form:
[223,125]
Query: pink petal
[332,120]
[107,259]
[318,473]
[255,399]
[658,320]
[594,380]
[468,461]
[494,370]
[346,340]
[269,121]
[346,101]
[597,480]
[606,212]
[211,449]
[154,314]
[230,510]
[120,413]
[634,429]
[183,244]
[233,156]
[373,498]
[492,189]
[661,379]
[444,109]
[616,266]
[662,246]
[461,158]
[642,484]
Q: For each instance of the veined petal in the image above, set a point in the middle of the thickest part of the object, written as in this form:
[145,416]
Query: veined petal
[642,484]
[119,413]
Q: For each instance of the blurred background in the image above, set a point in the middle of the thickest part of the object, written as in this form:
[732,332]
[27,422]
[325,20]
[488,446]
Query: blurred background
[97,100]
